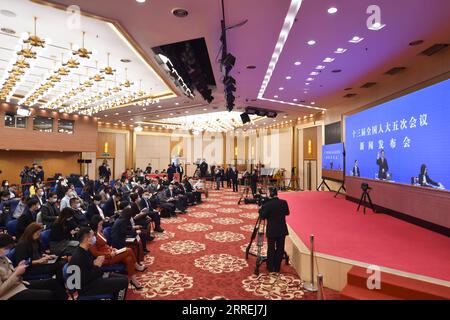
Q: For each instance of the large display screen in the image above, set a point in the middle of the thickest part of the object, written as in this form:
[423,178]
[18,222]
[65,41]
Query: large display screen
[405,140]
[333,157]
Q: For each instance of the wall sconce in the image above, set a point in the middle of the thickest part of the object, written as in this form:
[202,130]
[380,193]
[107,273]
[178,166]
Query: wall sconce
[106,147]
[235,151]
[309,146]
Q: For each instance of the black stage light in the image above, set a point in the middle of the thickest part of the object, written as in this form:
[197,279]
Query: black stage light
[245,118]
[271,114]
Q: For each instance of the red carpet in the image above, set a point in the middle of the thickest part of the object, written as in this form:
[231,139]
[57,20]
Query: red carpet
[201,256]
[372,238]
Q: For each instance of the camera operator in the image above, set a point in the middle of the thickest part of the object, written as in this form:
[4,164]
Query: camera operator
[275,211]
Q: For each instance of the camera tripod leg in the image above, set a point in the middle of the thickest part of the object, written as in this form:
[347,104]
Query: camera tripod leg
[371,204]
[286,258]
[361,201]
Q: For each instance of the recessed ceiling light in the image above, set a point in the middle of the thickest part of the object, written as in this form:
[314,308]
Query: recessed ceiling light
[281,88]
[295,100]
[205,109]
[186,112]
[313,103]
[275,96]
[116,114]
[158,115]
[177,104]
[140,1]
[340,50]
[288,78]
[129,111]
[144,109]
[328,60]
[180,13]
[106,116]
[307,83]
[171,114]
[314,73]
[320,67]
[356,39]
[332,10]
[310,79]
[311,42]
[297,63]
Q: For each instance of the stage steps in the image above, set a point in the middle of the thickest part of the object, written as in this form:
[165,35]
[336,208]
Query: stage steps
[393,287]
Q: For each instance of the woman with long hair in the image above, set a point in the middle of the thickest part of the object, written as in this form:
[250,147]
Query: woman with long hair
[29,248]
[62,232]
[114,256]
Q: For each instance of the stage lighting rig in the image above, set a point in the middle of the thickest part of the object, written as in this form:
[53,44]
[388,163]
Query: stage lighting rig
[227,63]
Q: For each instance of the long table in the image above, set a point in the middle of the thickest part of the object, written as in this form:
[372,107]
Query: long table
[427,204]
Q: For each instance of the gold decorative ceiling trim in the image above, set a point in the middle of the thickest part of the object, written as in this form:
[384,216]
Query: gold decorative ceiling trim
[121,31]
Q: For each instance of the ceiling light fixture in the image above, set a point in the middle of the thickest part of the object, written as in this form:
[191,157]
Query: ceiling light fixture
[328,60]
[356,39]
[297,63]
[340,50]
[288,78]
[332,10]
[311,42]
[377,26]
[282,38]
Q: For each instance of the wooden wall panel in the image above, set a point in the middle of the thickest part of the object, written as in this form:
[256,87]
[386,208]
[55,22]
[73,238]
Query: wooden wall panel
[12,162]
[84,138]
[310,134]
[102,139]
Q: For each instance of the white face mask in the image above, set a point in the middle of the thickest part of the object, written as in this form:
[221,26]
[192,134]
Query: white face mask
[97,202]
[78,205]
[53,200]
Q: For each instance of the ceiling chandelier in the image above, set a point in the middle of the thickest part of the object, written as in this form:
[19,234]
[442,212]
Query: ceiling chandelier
[83,52]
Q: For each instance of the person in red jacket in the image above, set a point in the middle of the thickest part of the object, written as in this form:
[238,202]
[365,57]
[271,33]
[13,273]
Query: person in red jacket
[114,256]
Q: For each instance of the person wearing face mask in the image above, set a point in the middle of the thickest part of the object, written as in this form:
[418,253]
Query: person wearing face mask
[173,196]
[78,214]
[92,279]
[13,288]
[29,216]
[20,208]
[13,191]
[95,209]
[142,216]
[39,196]
[49,211]
[65,202]
[5,186]
[114,256]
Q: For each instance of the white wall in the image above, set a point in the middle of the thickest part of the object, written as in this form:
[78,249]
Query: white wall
[152,149]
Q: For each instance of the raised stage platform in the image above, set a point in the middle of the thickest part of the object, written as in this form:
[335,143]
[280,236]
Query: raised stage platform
[345,238]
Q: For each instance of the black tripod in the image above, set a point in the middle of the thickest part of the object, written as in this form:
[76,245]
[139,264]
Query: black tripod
[364,197]
[258,231]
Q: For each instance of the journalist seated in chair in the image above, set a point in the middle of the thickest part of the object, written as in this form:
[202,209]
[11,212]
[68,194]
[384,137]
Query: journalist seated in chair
[13,288]
[92,280]
[123,230]
[62,232]
[49,210]
[29,247]
[425,180]
[144,216]
[113,256]
[79,215]
[29,216]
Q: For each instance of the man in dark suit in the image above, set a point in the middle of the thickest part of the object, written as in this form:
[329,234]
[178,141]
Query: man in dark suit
[91,276]
[228,175]
[355,170]
[173,196]
[203,169]
[148,170]
[28,216]
[111,206]
[254,181]
[49,210]
[171,170]
[234,179]
[40,196]
[382,166]
[275,211]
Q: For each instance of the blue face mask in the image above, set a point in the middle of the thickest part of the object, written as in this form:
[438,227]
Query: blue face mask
[93,241]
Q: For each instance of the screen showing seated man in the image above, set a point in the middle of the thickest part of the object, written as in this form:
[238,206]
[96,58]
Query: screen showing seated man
[404,140]
[333,157]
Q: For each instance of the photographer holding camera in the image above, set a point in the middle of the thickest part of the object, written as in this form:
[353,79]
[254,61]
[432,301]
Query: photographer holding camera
[275,211]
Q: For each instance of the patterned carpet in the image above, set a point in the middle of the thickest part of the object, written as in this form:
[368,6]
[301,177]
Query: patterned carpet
[201,255]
